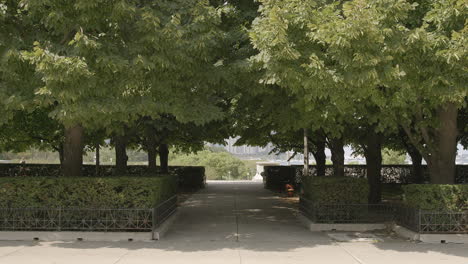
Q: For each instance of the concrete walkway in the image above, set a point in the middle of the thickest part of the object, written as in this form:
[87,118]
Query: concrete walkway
[235,223]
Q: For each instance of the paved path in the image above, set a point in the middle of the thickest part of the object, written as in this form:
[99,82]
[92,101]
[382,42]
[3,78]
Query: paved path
[235,223]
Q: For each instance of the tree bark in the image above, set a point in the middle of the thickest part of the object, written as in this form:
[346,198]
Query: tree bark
[373,154]
[337,156]
[320,157]
[164,157]
[306,154]
[73,151]
[438,146]
[152,155]
[151,148]
[416,161]
[441,162]
[121,158]
[98,159]
[60,151]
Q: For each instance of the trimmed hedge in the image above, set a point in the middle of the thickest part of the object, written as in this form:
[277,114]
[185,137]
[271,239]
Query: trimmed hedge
[336,190]
[399,174]
[190,178]
[437,197]
[86,192]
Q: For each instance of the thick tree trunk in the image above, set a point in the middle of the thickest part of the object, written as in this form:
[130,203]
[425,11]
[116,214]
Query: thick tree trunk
[164,157]
[152,155]
[73,151]
[306,154]
[373,154]
[98,159]
[416,160]
[60,151]
[121,157]
[320,157]
[441,162]
[337,156]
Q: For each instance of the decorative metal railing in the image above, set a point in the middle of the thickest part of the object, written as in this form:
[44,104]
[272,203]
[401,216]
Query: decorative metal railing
[443,222]
[82,219]
[347,213]
[407,216]
[424,222]
[164,210]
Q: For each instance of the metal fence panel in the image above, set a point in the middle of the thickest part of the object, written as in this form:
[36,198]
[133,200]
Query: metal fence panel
[82,219]
[424,222]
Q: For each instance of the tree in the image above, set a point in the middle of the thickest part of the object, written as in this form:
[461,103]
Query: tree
[401,63]
[219,165]
[92,60]
[393,157]
[31,130]
[421,77]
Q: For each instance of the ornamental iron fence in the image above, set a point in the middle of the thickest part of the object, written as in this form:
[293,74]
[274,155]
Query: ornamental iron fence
[84,219]
[421,221]
[347,213]
[443,222]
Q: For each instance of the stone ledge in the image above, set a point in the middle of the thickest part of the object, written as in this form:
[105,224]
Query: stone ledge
[318,227]
[164,227]
[73,236]
[89,236]
[430,238]
[405,233]
[448,238]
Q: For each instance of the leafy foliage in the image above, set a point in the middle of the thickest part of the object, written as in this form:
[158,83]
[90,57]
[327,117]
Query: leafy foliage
[393,157]
[335,190]
[115,192]
[370,65]
[438,197]
[219,165]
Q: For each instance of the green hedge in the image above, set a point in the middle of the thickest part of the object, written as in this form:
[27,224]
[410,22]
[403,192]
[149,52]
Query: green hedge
[336,190]
[190,178]
[86,192]
[437,196]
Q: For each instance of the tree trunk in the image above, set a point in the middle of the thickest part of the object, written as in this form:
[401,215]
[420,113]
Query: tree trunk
[306,154]
[164,157]
[320,157]
[121,157]
[441,162]
[373,154]
[416,160]
[337,156]
[60,151]
[98,159]
[152,155]
[73,151]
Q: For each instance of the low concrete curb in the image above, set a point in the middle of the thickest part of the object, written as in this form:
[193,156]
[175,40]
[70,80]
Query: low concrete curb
[164,227]
[444,238]
[89,236]
[73,236]
[316,227]
[430,238]
[405,233]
